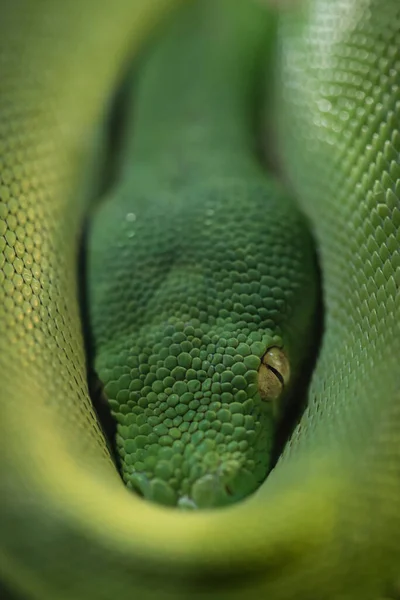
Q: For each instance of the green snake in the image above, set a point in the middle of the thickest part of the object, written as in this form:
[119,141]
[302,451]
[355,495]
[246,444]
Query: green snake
[201,297]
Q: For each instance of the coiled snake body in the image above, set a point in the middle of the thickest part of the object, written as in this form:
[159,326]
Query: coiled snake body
[325,523]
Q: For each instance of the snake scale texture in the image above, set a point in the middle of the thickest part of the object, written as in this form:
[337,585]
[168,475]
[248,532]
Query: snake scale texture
[199,301]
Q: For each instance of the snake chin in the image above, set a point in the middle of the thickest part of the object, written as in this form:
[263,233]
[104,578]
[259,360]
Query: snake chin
[230,484]
[212,491]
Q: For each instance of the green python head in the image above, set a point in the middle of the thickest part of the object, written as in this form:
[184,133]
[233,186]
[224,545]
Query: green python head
[188,299]
[194,428]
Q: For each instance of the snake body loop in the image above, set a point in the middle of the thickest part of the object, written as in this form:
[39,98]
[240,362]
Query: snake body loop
[325,523]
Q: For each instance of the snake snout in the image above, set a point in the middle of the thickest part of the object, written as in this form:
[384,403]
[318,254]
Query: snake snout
[219,489]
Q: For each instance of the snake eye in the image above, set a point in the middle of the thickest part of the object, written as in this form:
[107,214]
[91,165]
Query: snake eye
[273,374]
